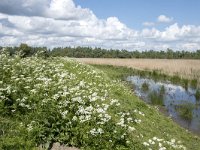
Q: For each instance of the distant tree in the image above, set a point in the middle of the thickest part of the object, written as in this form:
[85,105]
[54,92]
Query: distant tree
[169,53]
[41,52]
[24,50]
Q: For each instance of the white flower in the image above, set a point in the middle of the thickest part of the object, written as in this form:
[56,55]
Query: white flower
[138,120]
[141,113]
[129,119]
[33,91]
[146,144]
[100,110]
[154,138]
[96,131]
[160,144]
[74,118]
[131,128]
[82,84]
[100,131]
[94,94]
[64,113]
[121,123]
[113,101]
[90,108]
[173,140]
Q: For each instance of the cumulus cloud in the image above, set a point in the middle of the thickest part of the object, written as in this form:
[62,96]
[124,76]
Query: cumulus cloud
[61,23]
[58,9]
[23,7]
[164,19]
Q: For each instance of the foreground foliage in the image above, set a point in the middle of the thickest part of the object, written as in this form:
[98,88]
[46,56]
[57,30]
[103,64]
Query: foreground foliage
[43,101]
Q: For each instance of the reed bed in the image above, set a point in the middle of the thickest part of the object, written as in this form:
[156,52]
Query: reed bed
[184,68]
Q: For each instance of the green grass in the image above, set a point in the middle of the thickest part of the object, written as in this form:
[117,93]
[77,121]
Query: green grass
[43,101]
[162,90]
[197,94]
[156,98]
[122,72]
[185,111]
[145,86]
[194,83]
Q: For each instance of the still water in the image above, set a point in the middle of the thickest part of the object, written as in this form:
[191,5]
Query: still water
[173,97]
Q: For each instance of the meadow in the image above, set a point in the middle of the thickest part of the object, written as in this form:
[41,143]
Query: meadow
[49,100]
[186,68]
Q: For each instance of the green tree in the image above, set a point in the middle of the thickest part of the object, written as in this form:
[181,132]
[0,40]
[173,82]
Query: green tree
[24,50]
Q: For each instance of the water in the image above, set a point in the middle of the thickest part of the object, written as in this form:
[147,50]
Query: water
[173,97]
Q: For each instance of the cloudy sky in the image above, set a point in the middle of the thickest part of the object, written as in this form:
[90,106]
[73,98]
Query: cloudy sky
[128,24]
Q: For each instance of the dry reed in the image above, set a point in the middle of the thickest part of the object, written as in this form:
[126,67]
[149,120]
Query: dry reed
[185,68]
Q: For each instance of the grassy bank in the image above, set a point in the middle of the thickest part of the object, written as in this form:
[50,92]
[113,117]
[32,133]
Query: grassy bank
[43,101]
[189,69]
[120,72]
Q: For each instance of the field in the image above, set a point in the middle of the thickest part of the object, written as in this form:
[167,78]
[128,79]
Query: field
[185,68]
[58,100]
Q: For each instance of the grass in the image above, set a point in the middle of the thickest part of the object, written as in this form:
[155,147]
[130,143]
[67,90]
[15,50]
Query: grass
[189,69]
[194,83]
[156,98]
[122,72]
[185,111]
[43,101]
[197,94]
[162,90]
[145,86]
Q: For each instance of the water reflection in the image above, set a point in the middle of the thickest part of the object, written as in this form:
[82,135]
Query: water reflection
[180,103]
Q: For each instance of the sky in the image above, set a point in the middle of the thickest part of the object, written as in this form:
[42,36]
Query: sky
[111,24]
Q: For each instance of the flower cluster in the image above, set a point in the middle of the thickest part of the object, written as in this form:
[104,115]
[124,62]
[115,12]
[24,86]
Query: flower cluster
[162,144]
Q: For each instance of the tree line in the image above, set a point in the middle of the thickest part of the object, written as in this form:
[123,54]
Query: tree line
[88,52]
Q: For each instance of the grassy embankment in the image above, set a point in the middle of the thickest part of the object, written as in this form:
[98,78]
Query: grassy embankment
[43,101]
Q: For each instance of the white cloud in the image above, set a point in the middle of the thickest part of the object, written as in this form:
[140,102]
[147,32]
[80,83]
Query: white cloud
[61,23]
[148,24]
[189,46]
[164,19]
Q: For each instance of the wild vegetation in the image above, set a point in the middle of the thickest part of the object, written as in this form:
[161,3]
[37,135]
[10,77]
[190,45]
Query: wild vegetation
[46,100]
[163,91]
[122,72]
[88,52]
[189,69]
[197,95]
[185,111]
[145,86]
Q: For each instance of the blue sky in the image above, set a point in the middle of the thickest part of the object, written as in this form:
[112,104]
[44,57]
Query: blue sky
[134,12]
[111,24]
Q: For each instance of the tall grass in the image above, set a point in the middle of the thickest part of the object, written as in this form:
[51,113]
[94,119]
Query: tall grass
[145,86]
[124,72]
[156,98]
[189,69]
[197,94]
[185,111]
